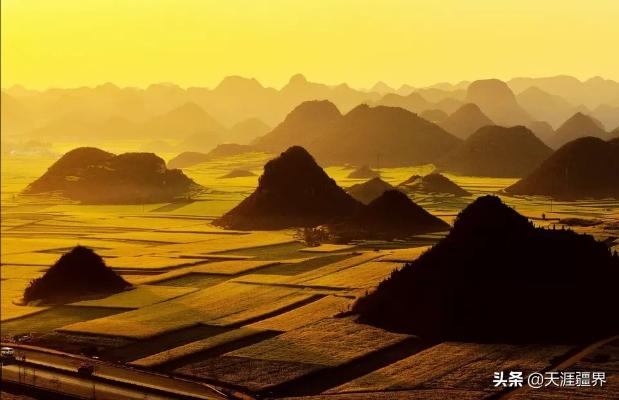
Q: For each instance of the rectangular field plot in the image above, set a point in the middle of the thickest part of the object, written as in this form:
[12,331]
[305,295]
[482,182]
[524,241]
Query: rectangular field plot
[13,245]
[332,268]
[366,275]
[329,342]
[12,290]
[148,262]
[194,280]
[253,374]
[231,267]
[405,255]
[21,272]
[224,304]
[281,251]
[40,259]
[225,243]
[602,359]
[198,346]
[454,365]
[327,248]
[47,320]
[140,296]
[326,307]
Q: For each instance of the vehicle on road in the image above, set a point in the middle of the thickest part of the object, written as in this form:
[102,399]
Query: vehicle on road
[86,369]
[7,354]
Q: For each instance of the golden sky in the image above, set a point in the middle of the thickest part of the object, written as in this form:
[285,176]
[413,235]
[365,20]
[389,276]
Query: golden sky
[67,43]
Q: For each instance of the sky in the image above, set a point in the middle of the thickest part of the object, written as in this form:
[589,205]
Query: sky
[69,43]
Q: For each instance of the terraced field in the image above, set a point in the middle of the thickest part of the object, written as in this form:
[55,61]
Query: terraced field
[257,310]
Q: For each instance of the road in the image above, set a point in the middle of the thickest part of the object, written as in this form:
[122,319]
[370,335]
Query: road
[57,372]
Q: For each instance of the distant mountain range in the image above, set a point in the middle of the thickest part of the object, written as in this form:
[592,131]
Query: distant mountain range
[496,151]
[375,136]
[111,111]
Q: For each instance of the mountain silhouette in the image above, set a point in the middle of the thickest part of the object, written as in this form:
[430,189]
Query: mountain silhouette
[417,103]
[465,121]
[246,131]
[579,125]
[14,116]
[190,158]
[363,172]
[607,114]
[432,183]
[367,191]
[383,136]
[293,191]
[304,125]
[584,168]
[391,215]
[543,130]
[482,281]
[434,115]
[237,173]
[413,102]
[382,88]
[184,121]
[544,106]
[497,101]
[93,176]
[435,94]
[590,93]
[496,151]
[76,274]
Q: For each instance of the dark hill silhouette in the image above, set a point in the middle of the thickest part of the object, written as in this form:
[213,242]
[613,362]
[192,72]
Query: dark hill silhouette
[367,191]
[585,167]
[385,136]
[363,172]
[76,274]
[382,135]
[497,152]
[302,126]
[93,176]
[465,121]
[187,159]
[391,215]
[497,101]
[615,134]
[578,125]
[293,191]
[237,173]
[432,183]
[434,115]
[481,282]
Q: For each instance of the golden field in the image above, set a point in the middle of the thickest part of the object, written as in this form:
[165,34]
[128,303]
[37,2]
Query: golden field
[254,309]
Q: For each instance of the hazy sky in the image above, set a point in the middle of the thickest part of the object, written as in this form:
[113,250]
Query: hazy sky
[68,43]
